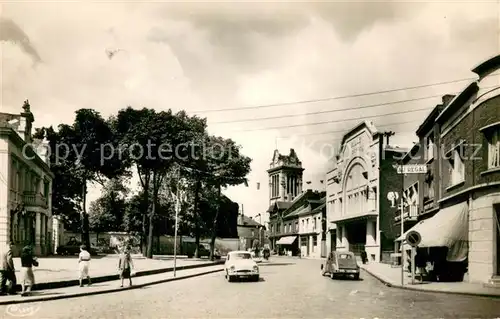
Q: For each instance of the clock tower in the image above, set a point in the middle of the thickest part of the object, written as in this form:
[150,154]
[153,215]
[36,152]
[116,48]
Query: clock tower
[285,177]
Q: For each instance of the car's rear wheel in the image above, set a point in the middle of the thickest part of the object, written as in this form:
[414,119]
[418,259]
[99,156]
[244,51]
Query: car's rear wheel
[356,277]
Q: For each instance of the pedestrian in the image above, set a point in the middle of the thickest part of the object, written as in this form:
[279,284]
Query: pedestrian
[7,271]
[83,265]
[125,266]
[28,260]
[364,256]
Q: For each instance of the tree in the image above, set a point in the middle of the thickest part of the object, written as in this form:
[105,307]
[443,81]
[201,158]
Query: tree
[107,212]
[76,160]
[160,139]
[66,187]
[228,167]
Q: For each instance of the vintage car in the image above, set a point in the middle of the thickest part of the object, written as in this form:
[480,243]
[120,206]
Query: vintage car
[72,247]
[340,264]
[239,264]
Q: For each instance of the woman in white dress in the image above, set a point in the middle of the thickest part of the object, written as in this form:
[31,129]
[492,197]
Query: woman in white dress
[83,265]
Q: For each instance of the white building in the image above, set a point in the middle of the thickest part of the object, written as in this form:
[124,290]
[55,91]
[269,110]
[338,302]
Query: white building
[311,233]
[25,185]
[358,212]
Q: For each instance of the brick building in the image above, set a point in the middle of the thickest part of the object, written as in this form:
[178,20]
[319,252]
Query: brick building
[461,198]
[359,216]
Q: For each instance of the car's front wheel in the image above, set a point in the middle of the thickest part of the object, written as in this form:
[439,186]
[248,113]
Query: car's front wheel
[229,277]
[255,278]
[356,277]
[332,275]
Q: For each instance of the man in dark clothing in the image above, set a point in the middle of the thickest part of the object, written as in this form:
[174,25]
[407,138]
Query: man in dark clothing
[364,257]
[7,271]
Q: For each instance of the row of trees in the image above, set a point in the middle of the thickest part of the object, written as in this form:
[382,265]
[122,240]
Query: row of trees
[171,153]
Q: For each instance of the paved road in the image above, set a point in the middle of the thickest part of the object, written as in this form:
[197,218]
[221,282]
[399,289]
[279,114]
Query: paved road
[292,291]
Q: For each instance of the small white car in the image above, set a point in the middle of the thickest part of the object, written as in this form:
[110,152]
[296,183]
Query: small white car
[239,264]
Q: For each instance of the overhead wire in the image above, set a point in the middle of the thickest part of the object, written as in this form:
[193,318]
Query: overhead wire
[334,97]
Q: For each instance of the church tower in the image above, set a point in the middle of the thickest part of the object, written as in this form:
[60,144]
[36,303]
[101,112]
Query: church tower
[285,177]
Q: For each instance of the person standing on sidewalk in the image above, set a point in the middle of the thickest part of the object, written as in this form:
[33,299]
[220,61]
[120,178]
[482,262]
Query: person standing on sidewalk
[125,266]
[28,260]
[7,271]
[83,265]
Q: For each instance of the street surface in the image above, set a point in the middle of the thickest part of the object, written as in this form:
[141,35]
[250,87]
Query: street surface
[286,291]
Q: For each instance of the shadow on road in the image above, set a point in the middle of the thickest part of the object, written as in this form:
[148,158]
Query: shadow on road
[277,264]
[44,293]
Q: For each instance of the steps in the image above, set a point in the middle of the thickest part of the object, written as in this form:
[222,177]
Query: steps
[494,282]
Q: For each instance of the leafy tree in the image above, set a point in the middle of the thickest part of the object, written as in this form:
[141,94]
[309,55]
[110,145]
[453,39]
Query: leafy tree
[77,159]
[228,167]
[156,137]
[66,186]
[107,212]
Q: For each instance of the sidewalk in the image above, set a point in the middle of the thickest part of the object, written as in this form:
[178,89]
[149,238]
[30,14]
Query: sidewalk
[56,272]
[108,287]
[392,277]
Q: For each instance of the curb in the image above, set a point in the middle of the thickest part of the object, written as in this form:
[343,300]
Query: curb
[409,287]
[75,282]
[100,292]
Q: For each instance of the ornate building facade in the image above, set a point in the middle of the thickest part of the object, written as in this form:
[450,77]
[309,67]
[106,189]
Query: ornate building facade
[25,185]
[358,216]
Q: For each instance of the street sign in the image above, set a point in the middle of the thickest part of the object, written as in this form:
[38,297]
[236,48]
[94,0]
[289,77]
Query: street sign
[413,238]
[412,169]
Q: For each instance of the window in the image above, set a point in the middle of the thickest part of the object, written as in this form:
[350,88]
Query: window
[494,148]
[315,223]
[341,207]
[429,147]
[315,240]
[296,226]
[456,168]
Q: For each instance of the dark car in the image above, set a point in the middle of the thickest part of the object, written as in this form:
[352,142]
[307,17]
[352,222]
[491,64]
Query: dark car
[203,251]
[340,264]
[72,248]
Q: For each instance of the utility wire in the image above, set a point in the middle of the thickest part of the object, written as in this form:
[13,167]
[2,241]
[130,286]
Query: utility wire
[329,111]
[344,131]
[333,98]
[334,121]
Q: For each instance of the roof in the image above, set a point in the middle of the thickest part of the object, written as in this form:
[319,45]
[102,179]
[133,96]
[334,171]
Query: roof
[6,117]
[281,205]
[369,125]
[320,207]
[487,67]
[247,221]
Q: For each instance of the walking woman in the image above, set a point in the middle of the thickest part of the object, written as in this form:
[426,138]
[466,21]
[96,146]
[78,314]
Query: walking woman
[28,260]
[125,266]
[83,265]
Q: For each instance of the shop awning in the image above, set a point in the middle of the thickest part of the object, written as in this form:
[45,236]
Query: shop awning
[288,240]
[448,228]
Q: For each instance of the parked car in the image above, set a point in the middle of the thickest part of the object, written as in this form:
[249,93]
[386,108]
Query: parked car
[203,251]
[340,264]
[72,247]
[239,264]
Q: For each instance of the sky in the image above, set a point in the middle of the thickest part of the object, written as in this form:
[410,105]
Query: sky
[206,56]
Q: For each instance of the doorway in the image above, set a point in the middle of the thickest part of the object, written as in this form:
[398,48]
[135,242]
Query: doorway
[497,222]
